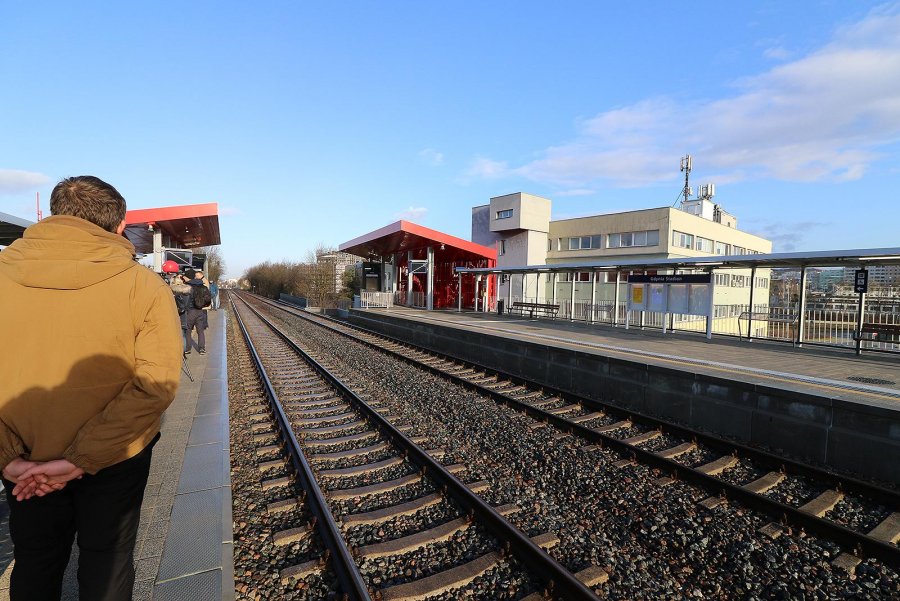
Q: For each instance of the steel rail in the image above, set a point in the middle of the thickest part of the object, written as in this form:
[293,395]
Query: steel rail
[350,580]
[855,541]
[562,583]
[848,484]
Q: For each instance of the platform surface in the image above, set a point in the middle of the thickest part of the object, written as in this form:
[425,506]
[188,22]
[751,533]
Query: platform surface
[810,369]
[184,541]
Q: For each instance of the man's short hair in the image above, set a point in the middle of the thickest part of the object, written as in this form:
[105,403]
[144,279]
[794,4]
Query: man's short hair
[90,198]
[188,273]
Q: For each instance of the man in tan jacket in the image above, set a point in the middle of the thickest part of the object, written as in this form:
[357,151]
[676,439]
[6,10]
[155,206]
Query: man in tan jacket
[93,360]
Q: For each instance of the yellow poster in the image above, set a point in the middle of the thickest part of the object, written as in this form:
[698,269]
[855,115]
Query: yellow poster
[637,295]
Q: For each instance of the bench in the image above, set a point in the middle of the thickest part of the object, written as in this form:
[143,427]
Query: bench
[751,316]
[539,309]
[878,332]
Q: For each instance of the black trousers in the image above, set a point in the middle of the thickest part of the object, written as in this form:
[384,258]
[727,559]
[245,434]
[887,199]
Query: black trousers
[104,510]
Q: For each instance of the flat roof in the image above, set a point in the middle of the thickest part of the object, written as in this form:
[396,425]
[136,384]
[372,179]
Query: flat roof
[12,228]
[403,236]
[187,226]
[822,258]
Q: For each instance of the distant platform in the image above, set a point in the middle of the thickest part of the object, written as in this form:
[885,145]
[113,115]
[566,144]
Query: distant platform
[795,401]
[810,369]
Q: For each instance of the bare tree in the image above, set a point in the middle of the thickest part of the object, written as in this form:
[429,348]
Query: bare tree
[215,263]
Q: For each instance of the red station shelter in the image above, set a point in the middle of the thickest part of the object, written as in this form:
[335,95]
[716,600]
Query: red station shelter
[417,264]
[169,228]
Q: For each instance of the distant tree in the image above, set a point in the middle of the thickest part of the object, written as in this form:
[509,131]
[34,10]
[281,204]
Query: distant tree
[215,263]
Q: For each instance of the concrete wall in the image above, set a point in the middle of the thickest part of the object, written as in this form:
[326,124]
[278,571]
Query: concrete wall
[846,436]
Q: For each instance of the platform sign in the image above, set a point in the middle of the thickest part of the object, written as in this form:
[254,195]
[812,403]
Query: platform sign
[636,298]
[861,281]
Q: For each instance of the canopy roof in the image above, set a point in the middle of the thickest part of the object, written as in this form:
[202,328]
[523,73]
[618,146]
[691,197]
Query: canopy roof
[186,226]
[11,228]
[824,258]
[404,236]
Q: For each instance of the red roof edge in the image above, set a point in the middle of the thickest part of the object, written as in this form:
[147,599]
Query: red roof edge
[135,216]
[425,232]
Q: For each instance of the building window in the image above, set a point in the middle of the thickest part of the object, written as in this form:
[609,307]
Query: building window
[631,239]
[740,250]
[501,247]
[722,248]
[583,242]
[504,214]
[682,240]
[722,279]
[704,245]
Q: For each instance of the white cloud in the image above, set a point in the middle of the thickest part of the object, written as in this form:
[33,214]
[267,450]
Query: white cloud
[411,213]
[825,116]
[13,181]
[575,192]
[486,169]
[431,156]
[778,53]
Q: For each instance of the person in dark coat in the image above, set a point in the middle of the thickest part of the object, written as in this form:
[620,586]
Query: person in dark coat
[195,318]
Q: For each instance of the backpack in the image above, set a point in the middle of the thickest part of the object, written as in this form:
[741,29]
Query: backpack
[202,297]
[182,302]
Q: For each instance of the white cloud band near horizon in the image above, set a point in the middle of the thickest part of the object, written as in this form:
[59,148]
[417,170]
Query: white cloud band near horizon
[411,213]
[823,117]
[14,181]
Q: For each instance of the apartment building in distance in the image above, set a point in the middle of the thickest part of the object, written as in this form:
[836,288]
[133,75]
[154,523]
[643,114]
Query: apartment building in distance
[520,228]
[337,262]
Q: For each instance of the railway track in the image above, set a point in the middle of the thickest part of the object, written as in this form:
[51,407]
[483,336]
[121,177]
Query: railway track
[393,514]
[864,519]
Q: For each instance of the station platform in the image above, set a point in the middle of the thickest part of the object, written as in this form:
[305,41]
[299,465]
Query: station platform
[800,402]
[184,541]
[811,369]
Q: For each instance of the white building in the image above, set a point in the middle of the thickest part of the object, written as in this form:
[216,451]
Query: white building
[520,228]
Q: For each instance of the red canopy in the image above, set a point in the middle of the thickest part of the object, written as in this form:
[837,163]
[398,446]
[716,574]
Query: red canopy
[403,236]
[186,226]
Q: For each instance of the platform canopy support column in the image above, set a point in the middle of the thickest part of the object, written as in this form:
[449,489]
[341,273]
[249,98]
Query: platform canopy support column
[572,297]
[553,281]
[801,322]
[593,295]
[459,293]
[711,311]
[158,249]
[508,290]
[477,291]
[409,278]
[752,288]
[616,301]
[429,293]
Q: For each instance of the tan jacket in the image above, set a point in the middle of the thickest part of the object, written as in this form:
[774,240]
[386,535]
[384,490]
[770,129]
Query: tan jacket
[91,346]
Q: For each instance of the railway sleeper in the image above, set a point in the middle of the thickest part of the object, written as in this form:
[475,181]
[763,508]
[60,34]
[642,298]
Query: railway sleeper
[339,440]
[823,503]
[348,453]
[717,466]
[373,489]
[415,541]
[764,483]
[318,421]
[367,468]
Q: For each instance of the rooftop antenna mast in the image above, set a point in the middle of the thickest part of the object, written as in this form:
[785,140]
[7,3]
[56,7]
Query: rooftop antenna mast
[40,215]
[686,164]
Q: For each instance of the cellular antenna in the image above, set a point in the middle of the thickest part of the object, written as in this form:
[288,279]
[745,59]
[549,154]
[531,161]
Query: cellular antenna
[686,164]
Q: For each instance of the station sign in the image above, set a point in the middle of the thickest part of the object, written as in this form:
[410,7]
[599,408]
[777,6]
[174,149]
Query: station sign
[692,278]
[861,281]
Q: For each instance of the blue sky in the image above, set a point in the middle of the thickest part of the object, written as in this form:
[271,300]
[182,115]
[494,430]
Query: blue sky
[313,123]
